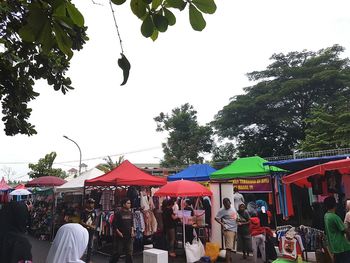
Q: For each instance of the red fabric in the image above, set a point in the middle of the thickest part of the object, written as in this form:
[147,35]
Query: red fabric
[183,188]
[255,228]
[300,177]
[289,201]
[46,181]
[20,186]
[4,185]
[126,174]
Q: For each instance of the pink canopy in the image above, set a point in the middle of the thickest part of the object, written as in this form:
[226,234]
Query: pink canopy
[3,185]
[183,188]
[46,181]
[20,186]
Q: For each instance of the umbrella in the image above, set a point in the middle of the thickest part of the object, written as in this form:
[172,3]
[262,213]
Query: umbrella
[46,181]
[20,186]
[20,192]
[183,188]
[300,177]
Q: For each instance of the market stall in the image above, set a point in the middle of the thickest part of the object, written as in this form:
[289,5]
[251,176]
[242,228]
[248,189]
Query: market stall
[250,176]
[195,172]
[108,189]
[183,189]
[42,215]
[4,192]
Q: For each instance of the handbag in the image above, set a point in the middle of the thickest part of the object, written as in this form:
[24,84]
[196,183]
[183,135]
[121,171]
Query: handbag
[194,251]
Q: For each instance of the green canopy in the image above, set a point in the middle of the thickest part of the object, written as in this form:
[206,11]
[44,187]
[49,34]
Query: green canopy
[243,168]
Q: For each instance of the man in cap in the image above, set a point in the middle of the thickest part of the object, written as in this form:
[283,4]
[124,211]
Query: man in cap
[88,220]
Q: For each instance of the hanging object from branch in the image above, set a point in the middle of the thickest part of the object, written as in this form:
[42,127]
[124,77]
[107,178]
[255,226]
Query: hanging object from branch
[124,64]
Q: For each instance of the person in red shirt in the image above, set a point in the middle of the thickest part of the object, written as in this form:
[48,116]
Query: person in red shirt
[258,238]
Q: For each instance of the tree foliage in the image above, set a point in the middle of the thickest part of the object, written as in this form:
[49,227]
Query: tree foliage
[186,138]
[223,154]
[44,167]
[273,116]
[37,41]
[110,164]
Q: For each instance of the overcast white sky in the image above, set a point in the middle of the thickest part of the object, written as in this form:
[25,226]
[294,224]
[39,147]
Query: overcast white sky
[204,69]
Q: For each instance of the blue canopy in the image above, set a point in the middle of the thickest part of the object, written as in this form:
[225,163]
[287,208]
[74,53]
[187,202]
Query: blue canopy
[294,165]
[195,172]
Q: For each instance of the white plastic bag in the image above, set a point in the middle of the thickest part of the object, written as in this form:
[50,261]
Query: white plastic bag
[194,251]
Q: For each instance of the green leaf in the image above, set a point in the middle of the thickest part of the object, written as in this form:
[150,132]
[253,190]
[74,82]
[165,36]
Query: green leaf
[179,4]
[118,2]
[124,64]
[155,35]
[160,22]
[170,16]
[147,26]
[60,10]
[147,1]
[75,14]
[36,18]
[27,34]
[46,38]
[63,41]
[206,6]
[156,4]
[138,7]
[196,18]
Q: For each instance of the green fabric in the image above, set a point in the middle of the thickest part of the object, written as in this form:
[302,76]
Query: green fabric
[335,228]
[245,167]
[282,260]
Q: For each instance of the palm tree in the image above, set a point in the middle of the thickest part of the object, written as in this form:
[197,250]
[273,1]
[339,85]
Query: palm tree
[110,164]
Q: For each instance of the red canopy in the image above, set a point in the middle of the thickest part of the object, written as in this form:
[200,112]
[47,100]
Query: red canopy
[126,174]
[46,181]
[3,185]
[20,186]
[300,177]
[183,188]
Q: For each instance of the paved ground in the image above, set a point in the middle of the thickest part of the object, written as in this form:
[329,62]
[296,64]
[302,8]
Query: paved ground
[40,250]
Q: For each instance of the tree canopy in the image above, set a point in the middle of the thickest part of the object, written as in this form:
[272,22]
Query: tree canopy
[44,167]
[187,139]
[38,38]
[276,115]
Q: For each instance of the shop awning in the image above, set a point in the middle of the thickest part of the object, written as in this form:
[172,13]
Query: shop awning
[300,178]
[195,172]
[126,174]
[77,184]
[245,167]
[295,165]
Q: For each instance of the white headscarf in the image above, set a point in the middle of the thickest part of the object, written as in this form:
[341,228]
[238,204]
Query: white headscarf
[69,244]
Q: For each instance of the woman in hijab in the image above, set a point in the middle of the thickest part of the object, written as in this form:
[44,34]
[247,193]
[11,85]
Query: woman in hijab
[14,246]
[69,244]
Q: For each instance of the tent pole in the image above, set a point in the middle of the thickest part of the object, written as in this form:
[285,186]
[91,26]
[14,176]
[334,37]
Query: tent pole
[274,208]
[183,223]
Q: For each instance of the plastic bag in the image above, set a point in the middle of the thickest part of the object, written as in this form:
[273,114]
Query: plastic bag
[194,251]
[212,250]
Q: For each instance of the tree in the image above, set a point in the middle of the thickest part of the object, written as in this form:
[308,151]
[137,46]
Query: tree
[44,167]
[7,172]
[38,37]
[270,118]
[223,154]
[186,138]
[110,165]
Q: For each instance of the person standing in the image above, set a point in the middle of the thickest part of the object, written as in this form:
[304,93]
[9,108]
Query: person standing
[69,244]
[169,226]
[227,217]
[188,227]
[14,246]
[88,220]
[243,234]
[258,238]
[237,198]
[335,230]
[123,227]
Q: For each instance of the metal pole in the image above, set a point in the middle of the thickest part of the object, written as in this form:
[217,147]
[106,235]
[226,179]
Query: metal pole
[64,136]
